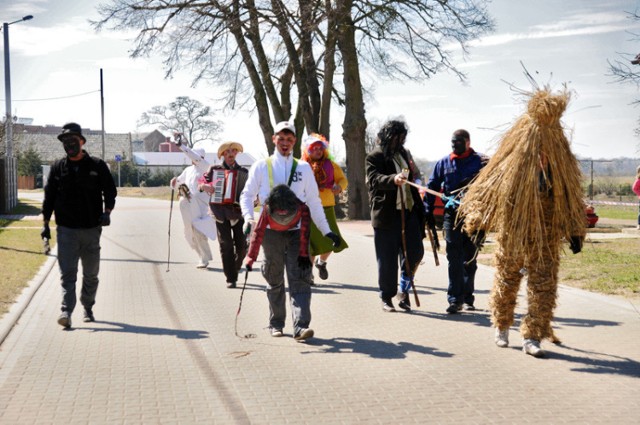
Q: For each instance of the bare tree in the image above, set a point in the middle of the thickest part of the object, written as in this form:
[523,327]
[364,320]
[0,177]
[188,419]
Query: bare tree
[184,115]
[626,70]
[271,54]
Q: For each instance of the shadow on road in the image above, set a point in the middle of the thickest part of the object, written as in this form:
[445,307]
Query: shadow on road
[599,363]
[147,330]
[372,348]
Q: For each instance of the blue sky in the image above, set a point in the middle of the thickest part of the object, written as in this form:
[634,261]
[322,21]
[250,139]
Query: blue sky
[57,55]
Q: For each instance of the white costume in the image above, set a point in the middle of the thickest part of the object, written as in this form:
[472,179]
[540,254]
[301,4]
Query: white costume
[303,184]
[198,224]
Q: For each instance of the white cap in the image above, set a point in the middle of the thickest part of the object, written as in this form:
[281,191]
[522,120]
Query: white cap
[199,151]
[284,125]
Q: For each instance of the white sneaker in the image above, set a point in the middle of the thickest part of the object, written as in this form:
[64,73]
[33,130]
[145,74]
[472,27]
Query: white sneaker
[202,265]
[304,335]
[502,338]
[532,347]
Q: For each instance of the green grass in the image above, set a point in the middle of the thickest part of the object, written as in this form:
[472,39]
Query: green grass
[607,266]
[21,257]
[617,212]
[610,266]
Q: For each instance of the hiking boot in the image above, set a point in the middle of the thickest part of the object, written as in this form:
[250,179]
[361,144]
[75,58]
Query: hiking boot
[276,332]
[88,315]
[304,335]
[231,284]
[64,320]
[502,338]
[387,306]
[454,308]
[404,301]
[532,347]
[322,270]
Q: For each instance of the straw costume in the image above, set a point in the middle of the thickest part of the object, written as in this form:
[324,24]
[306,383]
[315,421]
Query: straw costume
[530,195]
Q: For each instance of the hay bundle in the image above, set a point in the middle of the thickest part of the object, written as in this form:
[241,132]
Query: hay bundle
[533,160]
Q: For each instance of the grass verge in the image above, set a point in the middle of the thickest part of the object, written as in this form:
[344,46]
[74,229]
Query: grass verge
[20,252]
[607,266]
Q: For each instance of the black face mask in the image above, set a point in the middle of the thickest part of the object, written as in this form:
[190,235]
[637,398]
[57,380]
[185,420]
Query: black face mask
[71,147]
[458,146]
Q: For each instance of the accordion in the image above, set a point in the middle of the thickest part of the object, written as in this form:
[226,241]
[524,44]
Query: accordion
[227,186]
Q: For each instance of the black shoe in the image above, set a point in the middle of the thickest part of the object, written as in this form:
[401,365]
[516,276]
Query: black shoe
[405,301]
[231,284]
[469,307]
[387,306]
[454,308]
[88,315]
[64,320]
[322,270]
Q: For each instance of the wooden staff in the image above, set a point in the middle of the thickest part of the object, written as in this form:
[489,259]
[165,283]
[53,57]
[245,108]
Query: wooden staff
[407,266]
[434,248]
[169,232]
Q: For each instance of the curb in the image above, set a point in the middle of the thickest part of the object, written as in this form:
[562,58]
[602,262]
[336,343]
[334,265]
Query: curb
[9,320]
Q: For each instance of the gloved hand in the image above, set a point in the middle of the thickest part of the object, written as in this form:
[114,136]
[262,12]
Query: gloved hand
[46,231]
[478,239]
[304,262]
[248,226]
[105,219]
[575,244]
[334,238]
[249,266]
[430,219]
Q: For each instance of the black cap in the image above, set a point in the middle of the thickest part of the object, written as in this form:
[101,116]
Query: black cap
[71,129]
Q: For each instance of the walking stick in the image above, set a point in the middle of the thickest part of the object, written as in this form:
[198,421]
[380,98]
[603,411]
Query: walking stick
[246,336]
[407,266]
[169,232]
[434,245]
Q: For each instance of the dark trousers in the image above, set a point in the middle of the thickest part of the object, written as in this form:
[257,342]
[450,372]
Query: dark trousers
[233,247]
[281,251]
[462,264]
[78,245]
[389,252]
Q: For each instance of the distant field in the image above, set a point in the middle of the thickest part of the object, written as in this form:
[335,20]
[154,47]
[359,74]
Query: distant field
[162,192]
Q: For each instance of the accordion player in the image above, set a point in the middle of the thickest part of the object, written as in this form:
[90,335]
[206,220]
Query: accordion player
[224,183]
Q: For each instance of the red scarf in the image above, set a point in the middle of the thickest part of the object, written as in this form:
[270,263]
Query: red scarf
[465,154]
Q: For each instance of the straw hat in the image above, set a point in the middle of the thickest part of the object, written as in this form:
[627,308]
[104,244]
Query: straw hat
[229,145]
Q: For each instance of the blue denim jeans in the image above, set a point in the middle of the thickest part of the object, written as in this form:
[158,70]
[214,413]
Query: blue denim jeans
[462,264]
[281,251]
[78,245]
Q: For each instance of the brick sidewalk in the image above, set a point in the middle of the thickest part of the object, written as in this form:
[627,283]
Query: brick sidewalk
[164,349]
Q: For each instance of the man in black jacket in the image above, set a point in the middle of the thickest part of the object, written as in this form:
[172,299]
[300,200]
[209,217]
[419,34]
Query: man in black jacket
[77,187]
[388,167]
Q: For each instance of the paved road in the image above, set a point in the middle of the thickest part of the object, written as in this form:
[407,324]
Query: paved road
[164,349]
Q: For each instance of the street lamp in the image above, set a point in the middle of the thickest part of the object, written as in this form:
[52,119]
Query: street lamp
[10,189]
[7,85]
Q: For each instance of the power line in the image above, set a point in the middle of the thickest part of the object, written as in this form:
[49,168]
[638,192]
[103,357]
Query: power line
[55,98]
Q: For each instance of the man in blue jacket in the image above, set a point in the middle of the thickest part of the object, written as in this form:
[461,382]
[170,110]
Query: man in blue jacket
[451,175]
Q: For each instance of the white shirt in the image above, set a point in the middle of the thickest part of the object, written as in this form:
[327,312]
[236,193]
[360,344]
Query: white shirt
[303,185]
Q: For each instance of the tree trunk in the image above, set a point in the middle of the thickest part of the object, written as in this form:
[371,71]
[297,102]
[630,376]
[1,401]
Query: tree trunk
[354,125]
[262,105]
